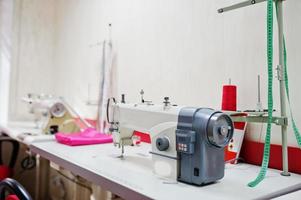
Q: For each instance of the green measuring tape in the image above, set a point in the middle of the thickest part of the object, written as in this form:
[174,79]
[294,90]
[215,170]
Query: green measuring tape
[295,128]
[266,153]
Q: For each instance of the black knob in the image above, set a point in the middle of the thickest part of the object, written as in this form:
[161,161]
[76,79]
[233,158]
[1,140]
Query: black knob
[162,144]
[53,129]
[111,129]
[166,101]
[123,98]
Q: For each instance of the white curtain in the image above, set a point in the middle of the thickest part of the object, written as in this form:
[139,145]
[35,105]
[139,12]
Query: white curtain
[6,15]
[106,84]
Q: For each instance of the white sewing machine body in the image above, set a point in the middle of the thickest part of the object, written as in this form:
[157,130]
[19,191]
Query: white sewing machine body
[52,114]
[187,143]
[143,118]
[39,106]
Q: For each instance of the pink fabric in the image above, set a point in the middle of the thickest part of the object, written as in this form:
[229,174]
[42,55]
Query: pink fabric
[86,137]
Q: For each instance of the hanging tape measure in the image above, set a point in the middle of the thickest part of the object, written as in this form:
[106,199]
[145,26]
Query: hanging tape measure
[294,126]
[266,153]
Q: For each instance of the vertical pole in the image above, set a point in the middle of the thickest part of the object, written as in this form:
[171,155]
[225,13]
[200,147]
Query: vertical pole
[259,105]
[258,89]
[280,69]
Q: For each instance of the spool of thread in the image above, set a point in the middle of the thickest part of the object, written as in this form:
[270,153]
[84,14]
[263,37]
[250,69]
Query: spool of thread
[229,98]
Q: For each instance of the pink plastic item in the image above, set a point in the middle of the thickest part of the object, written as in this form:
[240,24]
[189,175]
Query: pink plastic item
[86,137]
[12,197]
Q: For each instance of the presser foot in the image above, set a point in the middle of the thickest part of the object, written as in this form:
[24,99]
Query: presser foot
[122,153]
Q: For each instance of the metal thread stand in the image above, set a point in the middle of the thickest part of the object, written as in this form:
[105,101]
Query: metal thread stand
[282,121]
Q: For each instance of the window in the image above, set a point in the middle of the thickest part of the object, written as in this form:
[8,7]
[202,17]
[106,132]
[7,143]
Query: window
[6,13]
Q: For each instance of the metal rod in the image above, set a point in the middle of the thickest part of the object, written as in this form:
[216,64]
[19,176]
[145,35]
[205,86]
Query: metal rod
[240,5]
[259,119]
[259,104]
[258,79]
[282,87]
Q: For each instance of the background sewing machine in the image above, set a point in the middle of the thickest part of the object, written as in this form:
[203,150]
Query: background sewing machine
[53,114]
[187,143]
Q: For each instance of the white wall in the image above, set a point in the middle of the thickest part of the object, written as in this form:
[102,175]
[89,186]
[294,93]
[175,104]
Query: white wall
[33,52]
[78,58]
[177,48]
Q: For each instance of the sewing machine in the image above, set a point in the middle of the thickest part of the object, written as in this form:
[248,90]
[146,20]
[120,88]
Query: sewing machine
[187,144]
[52,114]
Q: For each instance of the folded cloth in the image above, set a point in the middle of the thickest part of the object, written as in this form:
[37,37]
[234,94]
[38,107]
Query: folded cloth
[86,137]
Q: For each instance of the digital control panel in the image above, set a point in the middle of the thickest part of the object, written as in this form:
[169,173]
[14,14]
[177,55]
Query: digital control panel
[185,141]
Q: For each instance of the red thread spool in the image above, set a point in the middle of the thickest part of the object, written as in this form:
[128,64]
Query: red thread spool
[229,98]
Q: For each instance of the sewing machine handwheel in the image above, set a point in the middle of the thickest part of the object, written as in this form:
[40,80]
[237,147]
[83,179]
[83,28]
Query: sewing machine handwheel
[58,110]
[220,130]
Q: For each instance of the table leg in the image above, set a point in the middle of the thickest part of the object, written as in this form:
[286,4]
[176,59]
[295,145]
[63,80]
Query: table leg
[42,177]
